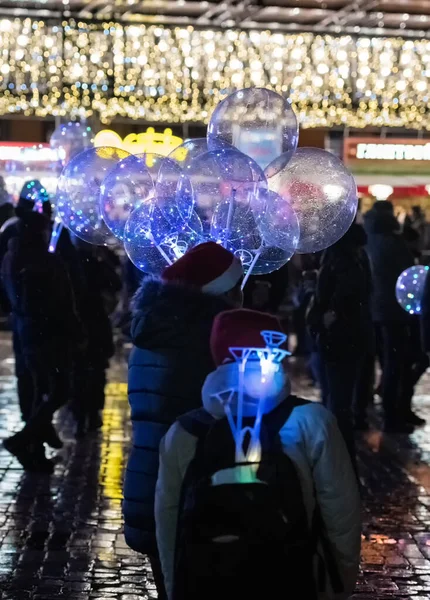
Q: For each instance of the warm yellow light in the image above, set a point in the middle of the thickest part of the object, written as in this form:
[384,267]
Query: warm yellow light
[140,143]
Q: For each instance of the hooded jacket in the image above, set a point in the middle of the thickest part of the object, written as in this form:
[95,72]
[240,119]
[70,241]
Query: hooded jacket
[311,439]
[167,367]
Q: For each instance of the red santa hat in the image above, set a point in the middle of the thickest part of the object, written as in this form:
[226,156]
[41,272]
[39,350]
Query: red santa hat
[240,328]
[207,266]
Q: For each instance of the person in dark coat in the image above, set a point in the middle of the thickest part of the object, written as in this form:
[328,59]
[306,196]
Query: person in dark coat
[98,281]
[345,332]
[47,329]
[389,256]
[170,359]
[31,193]
[7,210]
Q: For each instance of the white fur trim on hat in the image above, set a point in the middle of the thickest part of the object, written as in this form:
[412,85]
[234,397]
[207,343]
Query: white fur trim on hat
[227,280]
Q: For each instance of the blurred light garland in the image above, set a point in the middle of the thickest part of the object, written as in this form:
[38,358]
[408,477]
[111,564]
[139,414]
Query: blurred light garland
[175,75]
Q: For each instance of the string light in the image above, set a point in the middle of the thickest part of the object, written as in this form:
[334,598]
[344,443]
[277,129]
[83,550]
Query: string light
[159,74]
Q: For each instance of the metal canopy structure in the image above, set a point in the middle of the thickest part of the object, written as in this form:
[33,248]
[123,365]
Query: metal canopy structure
[407,18]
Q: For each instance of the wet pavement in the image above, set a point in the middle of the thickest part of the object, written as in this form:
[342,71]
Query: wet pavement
[61,535]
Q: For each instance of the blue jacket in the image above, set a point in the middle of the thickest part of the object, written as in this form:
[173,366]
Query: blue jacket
[168,364]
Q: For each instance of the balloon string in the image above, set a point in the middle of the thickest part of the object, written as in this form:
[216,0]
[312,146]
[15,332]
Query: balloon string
[160,249]
[252,265]
[229,218]
[56,232]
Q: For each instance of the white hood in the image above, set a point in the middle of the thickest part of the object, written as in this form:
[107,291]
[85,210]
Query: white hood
[226,379]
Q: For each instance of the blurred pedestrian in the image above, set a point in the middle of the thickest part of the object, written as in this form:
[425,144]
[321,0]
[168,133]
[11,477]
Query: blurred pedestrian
[7,210]
[99,286]
[47,330]
[389,256]
[345,330]
[214,516]
[172,320]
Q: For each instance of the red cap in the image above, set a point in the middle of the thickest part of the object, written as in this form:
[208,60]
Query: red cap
[240,328]
[207,266]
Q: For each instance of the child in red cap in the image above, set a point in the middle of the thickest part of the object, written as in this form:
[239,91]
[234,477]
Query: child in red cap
[220,532]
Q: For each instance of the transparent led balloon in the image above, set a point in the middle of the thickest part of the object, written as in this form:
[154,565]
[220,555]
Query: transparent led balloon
[128,184]
[222,177]
[410,288]
[277,221]
[172,188]
[190,149]
[71,139]
[78,193]
[152,243]
[322,193]
[245,240]
[258,122]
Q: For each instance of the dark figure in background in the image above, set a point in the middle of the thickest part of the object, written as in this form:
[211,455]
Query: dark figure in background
[170,359]
[345,332]
[389,256]
[47,329]
[99,284]
[7,210]
[266,292]
[32,192]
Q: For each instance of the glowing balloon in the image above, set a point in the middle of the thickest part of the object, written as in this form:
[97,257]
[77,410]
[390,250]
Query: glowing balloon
[245,239]
[78,193]
[258,122]
[410,288]
[321,191]
[70,139]
[128,184]
[277,221]
[217,177]
[172,188]
[151,243]
[188,151]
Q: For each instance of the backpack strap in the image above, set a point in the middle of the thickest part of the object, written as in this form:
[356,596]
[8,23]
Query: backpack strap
[197,422]
[276,419]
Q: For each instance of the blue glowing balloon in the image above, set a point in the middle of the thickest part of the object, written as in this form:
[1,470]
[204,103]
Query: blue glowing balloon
[277,221]
[322,193]
[152,243]
[172,188]
[258,122]
[71,138]
[410,288]
[245,240]
[219,177]
[78,193]
[127,185]
[188,151]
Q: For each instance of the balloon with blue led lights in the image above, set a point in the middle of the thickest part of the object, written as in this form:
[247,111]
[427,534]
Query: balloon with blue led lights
[78,193]
[127,184]
[322,193]
[410,288]
[152,243]
[223,177]
[258,122]
[70,139]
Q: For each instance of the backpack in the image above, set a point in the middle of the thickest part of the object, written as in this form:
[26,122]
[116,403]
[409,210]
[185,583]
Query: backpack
[246,540]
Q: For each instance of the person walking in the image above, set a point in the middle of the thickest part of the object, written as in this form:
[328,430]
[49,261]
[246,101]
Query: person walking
[344,330]
[171,325]
[389,256]
[47,329]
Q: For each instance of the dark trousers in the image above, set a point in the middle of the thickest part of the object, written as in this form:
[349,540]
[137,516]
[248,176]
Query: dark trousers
[56,381]
[395,368]
[154,560]
[89,383]
[339,381]
[26,396]
[363,393]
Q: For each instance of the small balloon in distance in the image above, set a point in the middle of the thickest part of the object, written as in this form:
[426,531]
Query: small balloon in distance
[410,288]
[322,193]
[78,193]
[258,122]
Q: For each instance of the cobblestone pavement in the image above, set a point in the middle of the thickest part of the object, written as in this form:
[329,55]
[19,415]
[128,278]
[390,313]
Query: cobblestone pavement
[61,535]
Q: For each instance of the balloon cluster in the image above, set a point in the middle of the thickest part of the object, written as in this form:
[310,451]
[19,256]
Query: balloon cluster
[245,186]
